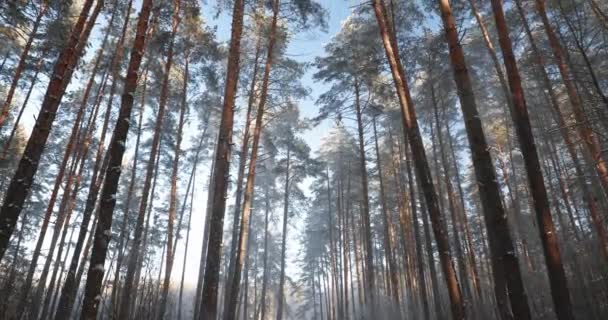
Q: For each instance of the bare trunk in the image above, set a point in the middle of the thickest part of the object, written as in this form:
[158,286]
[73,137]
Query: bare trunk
[221,170]
[116,151]
[389,246]
[557,275]
[281,295]
[423,174]
[232,292]
[124,312]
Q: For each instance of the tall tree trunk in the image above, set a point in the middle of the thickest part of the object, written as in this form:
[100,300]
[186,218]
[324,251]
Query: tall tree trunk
[409,196]
[243,155]
[422,168]
[202,263]
[6,106]
[124,234]
[557,275]
[265,259]
[388,228]
[369,274]
[232,292]
[21,182]
[181,284]
[125,312]
[110,185]
[173,196]
[505,265]
[281,294]
[221,169]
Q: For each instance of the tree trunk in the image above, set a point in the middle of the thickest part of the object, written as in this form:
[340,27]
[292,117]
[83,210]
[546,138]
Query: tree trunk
[21,182]
[422,168]
[221,170]
[557,275]
[243,155]
[127,205]
[206,230]
[230,302]
[505,265]
[125,312]
[181,284]
[388,229]
[116,151]
[6,107]
[369,275]
[173,192]
[265,259]
[281,294]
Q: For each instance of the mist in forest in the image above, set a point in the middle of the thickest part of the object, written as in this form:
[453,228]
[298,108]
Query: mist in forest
[304,159]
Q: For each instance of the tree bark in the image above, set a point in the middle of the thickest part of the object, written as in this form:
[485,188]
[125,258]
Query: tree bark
[557,275]
[505,265]
[281,295]
[116,151]
[125,312]
[230,301]
[389,246]
[221,170]
[422,168]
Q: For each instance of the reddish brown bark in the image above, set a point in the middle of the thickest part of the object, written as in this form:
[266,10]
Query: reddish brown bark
[410,125]
[221,170]
[134,254]
[230,302]
[505,265]
[538,191]
[116,151]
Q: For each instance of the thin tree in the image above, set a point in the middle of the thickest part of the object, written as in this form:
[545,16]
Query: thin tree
[505,265]
[423,173]
[92,296]
[220,174]
[538,191]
